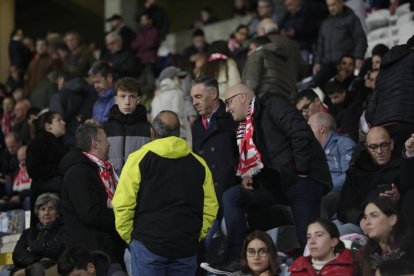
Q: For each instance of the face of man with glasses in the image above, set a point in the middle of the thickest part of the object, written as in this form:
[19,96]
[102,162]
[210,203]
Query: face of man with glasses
[257,255]
[379,145]
[234,105]
[309,107]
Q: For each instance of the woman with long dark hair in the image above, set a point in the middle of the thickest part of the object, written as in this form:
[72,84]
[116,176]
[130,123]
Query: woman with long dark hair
[43,155]
[328,255]
[389,237]
[221,65]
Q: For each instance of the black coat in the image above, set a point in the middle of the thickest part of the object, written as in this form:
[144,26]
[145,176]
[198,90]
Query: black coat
[287,143]
[393,98]
[217,146]
[88,220]
[44,241]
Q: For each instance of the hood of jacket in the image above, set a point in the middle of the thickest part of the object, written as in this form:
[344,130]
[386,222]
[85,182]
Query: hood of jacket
[74,157]
[169,84]
[277,49]
[395,54]
[170,147]
[140,114]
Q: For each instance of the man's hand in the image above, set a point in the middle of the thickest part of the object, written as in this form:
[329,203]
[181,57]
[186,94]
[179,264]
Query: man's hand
[247,183]
[316,68]
[393,194]
[409,146]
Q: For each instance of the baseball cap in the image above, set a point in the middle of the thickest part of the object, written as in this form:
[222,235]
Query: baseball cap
[170,72]
[114,17]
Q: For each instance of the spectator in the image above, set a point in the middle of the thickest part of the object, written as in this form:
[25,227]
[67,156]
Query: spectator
[80,58]
[338,150]
[41,95]
[328,255]
[103,82]
[44,154]
[19,54]
[118,25]
[239,36]
[122,61]
[7,117]
[378,53]
[267,69]
[171,97]
[267,177]
[127,127]
[78,260]
[89,185]
[14,80]
[390,105]
[221,65]
[146,43]
[240,8]
[198,45]
[309,103]
[389,237]
[163,216]
[39,67]
[206,17]
[9,164]
[264,10]
[40,246]
[345,69]
[160,17]
[333,43]
[299,24]
[259,256]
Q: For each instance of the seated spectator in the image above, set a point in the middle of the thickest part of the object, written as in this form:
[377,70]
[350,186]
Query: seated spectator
[206,17]
[377,53]
[40,246]
[7,117]
[265,11]
[259,256]
[198,45]
[9,165]
[121,60]
[389,237]
[118,25]
[345,69]
[77,260]
[328,255]
[41,95]
[240,35]
[338,150]
[240,8]
[309,103]
[374,172]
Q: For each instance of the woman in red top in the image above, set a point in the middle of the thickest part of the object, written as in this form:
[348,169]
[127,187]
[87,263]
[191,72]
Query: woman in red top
[328,255]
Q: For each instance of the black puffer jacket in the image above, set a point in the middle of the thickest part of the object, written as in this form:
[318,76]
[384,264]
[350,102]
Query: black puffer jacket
[393,98]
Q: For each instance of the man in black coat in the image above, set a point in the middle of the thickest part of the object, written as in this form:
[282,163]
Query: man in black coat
[280,161]
[88,186]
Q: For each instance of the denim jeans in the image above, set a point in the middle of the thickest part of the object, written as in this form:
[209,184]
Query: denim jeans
[145,263]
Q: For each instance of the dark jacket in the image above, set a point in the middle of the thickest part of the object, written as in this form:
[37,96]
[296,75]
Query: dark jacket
[123,63]
[287,143]
[340,34]
[126,134]
[393,97]
[268,70]
[42,160]
[217,146]
[128,36]
[88,220]
[342,265]
[44,241]
[146,44]
[362,180]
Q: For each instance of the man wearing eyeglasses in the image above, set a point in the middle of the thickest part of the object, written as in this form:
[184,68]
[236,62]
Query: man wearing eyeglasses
[280,162]
[309,103]
[375,172]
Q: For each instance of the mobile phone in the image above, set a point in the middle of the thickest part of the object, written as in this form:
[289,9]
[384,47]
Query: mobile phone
[384,187]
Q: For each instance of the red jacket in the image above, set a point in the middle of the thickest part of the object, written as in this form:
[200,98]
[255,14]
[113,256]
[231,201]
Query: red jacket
[340,266]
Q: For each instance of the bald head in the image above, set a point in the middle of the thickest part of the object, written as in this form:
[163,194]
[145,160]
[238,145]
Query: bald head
[267,26]
[322,124]
[237,99]
[379,145]
[166,124]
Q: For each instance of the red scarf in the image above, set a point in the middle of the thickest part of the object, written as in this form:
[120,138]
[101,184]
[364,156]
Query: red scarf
[22,181]
[107,174]
[6,123]
[250,159]
[217,56]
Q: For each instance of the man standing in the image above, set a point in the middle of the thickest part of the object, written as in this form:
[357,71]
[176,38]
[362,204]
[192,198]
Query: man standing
[118,25]
[165,202]
[80,58]
[127,128]
[279,157]
[341,33]
[338,150]
[88,188]
[103,80]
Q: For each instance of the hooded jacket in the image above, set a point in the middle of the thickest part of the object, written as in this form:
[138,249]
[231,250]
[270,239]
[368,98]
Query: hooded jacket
[265,71]
[393,98]
[165,198]
[126,134]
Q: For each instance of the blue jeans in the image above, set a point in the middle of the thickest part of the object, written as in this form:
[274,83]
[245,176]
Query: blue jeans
[145,263]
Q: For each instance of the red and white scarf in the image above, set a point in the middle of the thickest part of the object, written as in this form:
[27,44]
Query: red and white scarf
[217,56]
[22,181]
[107,174]
[250,159]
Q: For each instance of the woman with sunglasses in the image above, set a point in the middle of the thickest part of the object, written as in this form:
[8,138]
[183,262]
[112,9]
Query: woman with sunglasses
[328,255]
[259,256]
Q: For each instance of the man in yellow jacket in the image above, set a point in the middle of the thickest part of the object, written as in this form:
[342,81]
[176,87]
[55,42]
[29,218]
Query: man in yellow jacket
[165,202]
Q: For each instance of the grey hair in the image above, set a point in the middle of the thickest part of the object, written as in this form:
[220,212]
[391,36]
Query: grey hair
[85,134]
[44,199]
[326,120]
[115,35]
[164,129]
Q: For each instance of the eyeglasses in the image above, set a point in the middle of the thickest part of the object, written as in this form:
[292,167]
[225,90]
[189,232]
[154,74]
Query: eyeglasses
[261,252]
[383,146]
[306,106]
[229,100]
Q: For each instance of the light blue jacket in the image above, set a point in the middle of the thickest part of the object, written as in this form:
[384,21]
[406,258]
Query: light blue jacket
[338,150]
[102,105]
